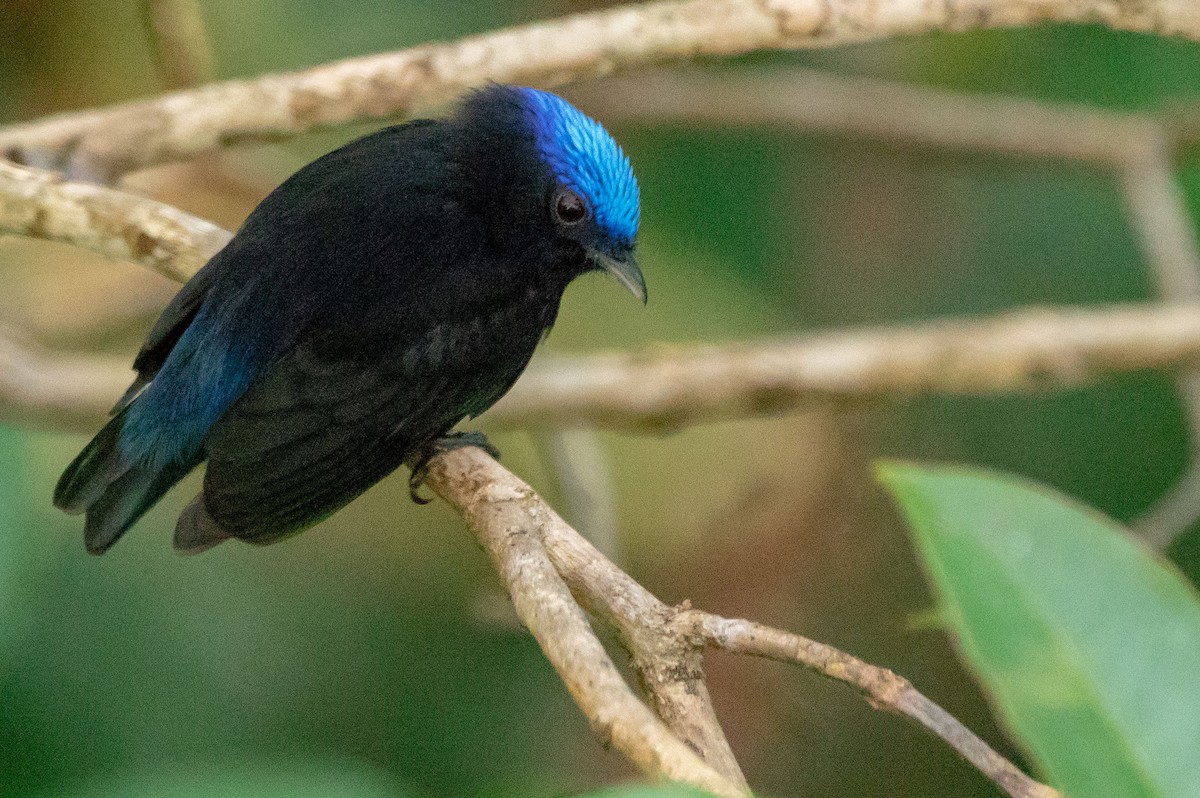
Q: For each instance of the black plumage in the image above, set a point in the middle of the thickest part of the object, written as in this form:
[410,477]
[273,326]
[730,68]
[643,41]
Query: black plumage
[379,296]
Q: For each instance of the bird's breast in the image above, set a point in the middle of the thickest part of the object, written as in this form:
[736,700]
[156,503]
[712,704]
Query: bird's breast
[481,355]
[497,338]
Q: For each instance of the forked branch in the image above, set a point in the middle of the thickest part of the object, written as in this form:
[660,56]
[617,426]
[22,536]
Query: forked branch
[537,552]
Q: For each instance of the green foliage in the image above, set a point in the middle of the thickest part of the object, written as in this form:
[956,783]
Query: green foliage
[1089,644]
[261,779]
[648,791]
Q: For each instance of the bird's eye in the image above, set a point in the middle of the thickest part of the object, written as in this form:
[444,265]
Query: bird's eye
[569,207]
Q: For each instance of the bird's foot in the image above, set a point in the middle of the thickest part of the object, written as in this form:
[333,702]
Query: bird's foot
[447,443]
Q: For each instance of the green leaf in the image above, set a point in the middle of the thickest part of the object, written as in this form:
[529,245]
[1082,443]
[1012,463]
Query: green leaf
[1088,643]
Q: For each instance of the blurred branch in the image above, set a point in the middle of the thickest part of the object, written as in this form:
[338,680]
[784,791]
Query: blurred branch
[537,552]
[180,42]
[1159,214]
[1138,149]
[43,205]
[63,391]
[1028,350]
[100,145]
[820,102]
[582,476]
[1025,350]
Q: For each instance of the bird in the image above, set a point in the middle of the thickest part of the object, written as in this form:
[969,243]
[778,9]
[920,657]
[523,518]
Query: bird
[378,297]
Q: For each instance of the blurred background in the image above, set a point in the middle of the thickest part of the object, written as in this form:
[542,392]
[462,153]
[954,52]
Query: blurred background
[373,656]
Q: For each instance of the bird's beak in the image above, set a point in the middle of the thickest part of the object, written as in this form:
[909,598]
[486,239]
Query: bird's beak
[625,270]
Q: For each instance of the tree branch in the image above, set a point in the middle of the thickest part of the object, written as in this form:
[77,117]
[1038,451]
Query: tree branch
[882,688]
[1025,350]
[532,546]
[102,144]
[39,204]
[1029,350]
[509,520]
[820,102]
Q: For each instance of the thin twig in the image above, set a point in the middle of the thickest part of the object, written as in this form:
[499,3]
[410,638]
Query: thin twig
[579,466]
[1175,511]
[1159,214]
[103,144]
[882,688]
[176,28]
[511,521]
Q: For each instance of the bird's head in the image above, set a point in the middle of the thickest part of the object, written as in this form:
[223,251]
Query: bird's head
[568,181]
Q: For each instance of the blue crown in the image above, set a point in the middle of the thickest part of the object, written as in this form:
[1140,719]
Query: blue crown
[584,157]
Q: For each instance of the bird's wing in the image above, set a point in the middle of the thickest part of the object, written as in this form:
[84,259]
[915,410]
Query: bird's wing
[312,434]
[169,328]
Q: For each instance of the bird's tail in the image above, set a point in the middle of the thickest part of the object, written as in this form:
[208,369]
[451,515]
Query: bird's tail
[92,471]
[114,490]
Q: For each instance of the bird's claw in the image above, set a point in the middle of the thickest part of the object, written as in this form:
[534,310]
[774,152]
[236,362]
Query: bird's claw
[420,471]
[447,443]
